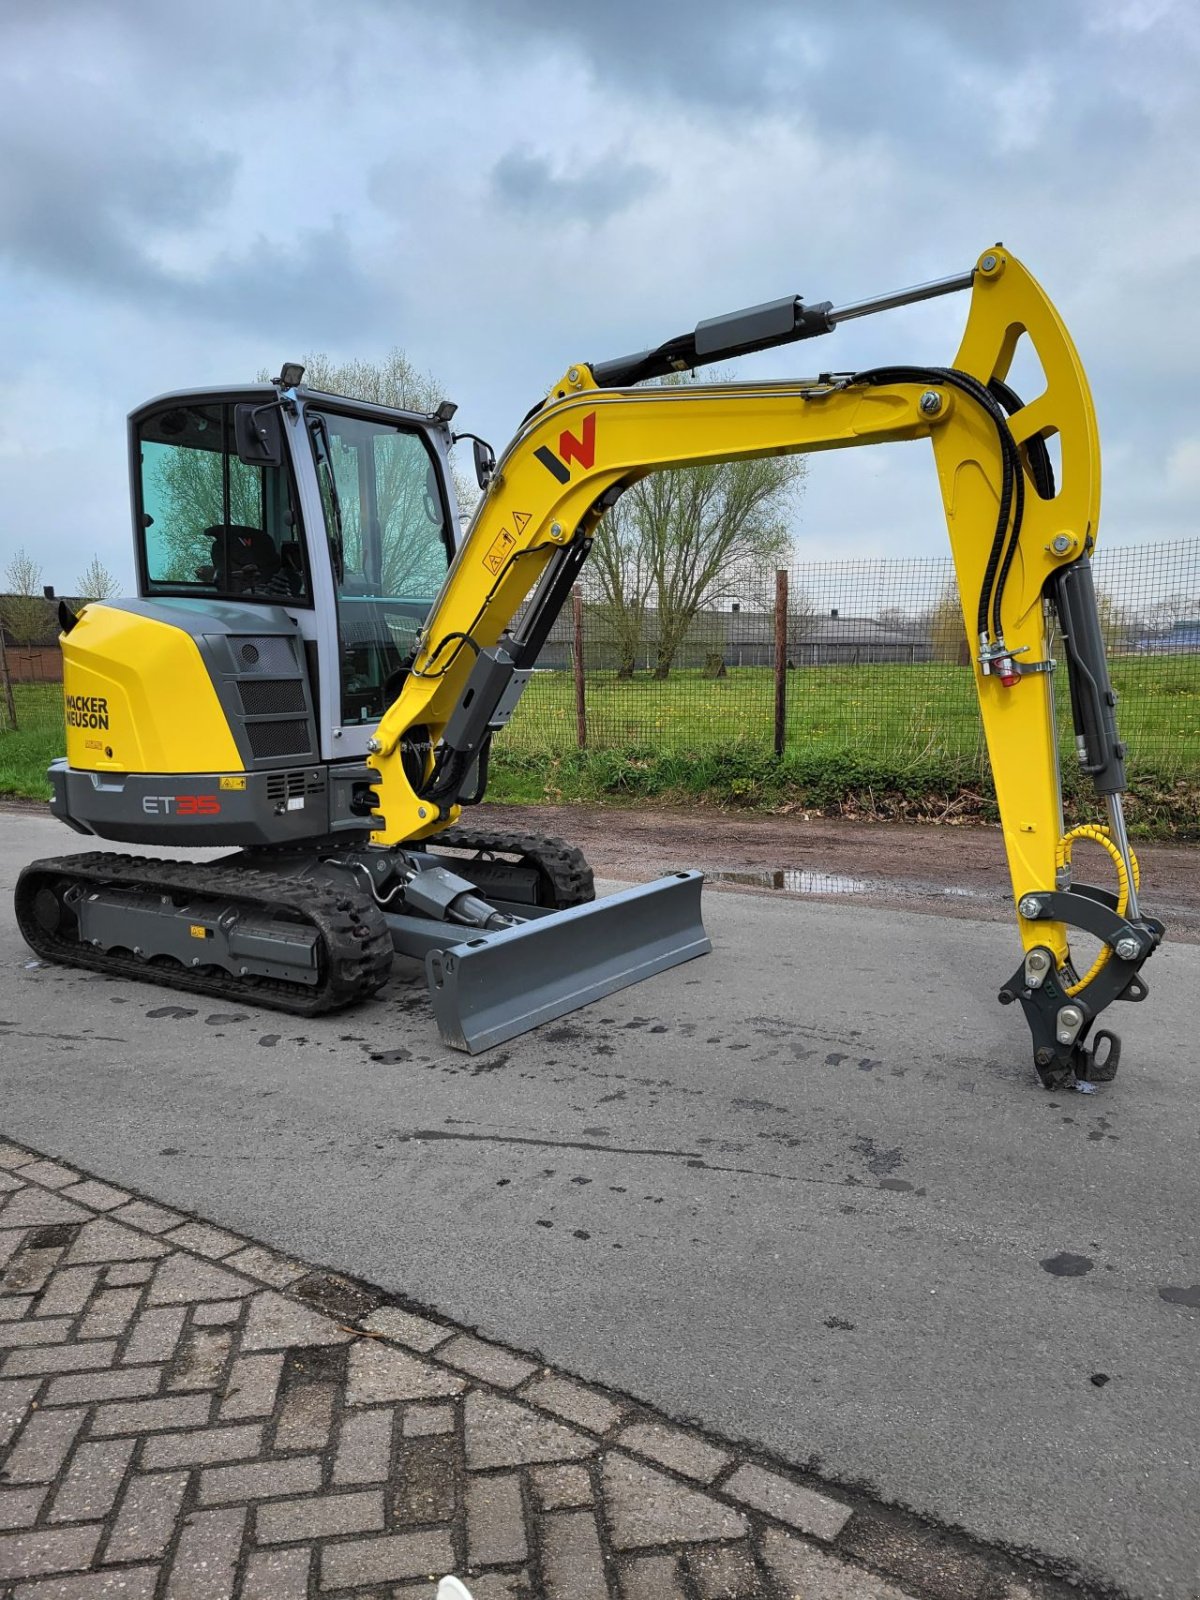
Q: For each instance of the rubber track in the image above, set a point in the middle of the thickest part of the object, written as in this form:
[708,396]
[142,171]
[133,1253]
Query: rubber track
[563,865]
[355,951]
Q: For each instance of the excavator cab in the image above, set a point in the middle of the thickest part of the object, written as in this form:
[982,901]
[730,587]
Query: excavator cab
[346,519]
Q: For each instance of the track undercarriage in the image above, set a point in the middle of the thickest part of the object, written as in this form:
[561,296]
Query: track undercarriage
[312,928]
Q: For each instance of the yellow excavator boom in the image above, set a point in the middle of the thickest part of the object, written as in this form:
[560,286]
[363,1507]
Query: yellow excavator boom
[1020,536]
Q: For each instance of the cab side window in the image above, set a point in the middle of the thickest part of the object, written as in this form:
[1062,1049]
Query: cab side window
[211,524]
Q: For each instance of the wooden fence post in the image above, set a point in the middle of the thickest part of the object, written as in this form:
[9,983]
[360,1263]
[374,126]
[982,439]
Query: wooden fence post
[781,609]
[577,662]
[7,681]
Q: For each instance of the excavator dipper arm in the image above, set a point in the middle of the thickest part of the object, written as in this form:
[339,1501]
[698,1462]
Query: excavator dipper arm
[1020,541]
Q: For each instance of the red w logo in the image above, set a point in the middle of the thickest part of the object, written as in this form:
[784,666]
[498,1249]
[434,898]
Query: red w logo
[582,450]
[571,449]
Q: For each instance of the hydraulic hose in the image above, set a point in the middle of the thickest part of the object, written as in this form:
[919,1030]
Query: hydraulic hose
[1102,837]
[1012,485]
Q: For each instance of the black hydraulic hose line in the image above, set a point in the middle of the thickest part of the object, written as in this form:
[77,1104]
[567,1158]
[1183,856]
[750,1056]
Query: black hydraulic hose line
[970,387]
[1012,498]
[1012,502]
[1041,468]
[1006,564]
[466,637]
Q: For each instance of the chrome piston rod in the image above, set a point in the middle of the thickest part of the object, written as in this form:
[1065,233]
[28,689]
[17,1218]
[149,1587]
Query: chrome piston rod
[1116,827]
[902,297]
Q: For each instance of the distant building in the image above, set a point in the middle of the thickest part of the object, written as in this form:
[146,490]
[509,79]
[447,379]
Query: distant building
[1181,638]
[40,660]
[747,639]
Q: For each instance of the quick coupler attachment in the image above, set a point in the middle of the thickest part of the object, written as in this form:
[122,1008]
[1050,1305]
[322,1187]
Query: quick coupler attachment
[1059,1007]
[490,987]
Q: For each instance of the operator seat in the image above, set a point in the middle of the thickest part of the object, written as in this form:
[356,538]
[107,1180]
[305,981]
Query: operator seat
[251,555]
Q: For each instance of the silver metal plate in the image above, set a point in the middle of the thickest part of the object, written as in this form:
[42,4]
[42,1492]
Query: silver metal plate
[497,985]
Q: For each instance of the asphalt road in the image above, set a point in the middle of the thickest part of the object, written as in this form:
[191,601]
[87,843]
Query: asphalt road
[805,1191]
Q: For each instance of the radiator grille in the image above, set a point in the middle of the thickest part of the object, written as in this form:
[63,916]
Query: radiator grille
[271,697]
[271,739]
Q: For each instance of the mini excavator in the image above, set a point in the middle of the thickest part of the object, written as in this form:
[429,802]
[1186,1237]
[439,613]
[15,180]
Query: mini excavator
[317,663]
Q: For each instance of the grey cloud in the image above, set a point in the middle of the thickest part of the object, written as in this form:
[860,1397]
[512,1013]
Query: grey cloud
[592,193]
[775,55]
[191,192]
[87,197]
[713,51]
[80,193]
[305,286]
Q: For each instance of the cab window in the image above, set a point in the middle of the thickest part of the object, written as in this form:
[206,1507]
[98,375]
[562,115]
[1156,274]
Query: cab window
[389,546]
[210,523]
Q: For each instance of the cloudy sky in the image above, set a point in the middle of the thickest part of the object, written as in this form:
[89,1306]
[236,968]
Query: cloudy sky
[189,194]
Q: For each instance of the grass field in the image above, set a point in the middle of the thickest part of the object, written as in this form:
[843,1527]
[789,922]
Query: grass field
[876,741]
[881,711]
[40,736]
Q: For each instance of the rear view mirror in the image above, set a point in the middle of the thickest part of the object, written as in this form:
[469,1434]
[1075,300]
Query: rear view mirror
[258,433]
[485,462]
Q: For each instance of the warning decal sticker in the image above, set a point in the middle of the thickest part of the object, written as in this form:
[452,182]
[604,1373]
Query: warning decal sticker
[498,554]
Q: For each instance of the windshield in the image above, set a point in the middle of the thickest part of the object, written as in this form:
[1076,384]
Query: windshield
[389,543]
[211,524]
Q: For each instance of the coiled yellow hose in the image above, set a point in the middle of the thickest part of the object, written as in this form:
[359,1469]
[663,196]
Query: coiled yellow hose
[1102,837]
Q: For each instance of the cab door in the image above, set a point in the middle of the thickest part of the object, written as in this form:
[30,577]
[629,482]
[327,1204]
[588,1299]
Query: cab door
[390,540]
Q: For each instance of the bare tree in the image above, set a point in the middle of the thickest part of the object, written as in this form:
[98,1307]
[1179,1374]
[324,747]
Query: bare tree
[618,581]
[1117,627]
[946,628]
[23,609]
[702,525]
[802,613]
[97,583]
[1162,615]
[689,536]
[190,487]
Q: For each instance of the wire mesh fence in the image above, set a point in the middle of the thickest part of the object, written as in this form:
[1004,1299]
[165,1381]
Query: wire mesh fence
[874,662]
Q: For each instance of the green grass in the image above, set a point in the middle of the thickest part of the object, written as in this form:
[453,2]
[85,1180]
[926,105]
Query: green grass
[877,741]
[882,741]
[40,736]
[876,712]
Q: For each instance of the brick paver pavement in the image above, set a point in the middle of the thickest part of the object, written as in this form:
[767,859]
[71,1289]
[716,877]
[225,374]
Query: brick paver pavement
[187,1415]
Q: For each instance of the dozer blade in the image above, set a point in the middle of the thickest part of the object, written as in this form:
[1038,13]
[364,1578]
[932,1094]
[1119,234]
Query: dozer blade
[497,985]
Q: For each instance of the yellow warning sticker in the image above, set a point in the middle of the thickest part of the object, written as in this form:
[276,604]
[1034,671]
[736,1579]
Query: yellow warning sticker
[199,932]
[233,783]
[498,554]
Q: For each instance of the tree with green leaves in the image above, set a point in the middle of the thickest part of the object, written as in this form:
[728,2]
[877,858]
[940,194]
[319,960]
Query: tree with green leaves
[394,381]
